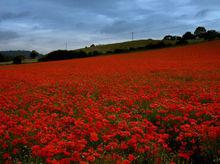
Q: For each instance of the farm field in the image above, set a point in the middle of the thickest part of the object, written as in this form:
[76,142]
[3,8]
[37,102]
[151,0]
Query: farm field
[160,106]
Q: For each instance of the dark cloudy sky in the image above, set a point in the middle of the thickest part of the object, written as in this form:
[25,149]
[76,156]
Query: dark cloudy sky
[46,25]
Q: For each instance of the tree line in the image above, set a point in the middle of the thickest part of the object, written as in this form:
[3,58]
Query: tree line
[18,56]
[199,33]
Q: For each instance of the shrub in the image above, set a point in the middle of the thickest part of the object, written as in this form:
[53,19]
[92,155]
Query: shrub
[18,59]
[159,44]
[34,54]
[181,42]
[93,45]
[2,58]
[210,35]
[118,50]
[96,53]
[200,31]
[109,52]
[132,49]
[188,36]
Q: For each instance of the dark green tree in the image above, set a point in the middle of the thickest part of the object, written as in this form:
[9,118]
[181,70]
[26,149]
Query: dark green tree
[211,34]
[18,59]
[2,58]
[168,37]
[34,54]
[188,36]
[200,31]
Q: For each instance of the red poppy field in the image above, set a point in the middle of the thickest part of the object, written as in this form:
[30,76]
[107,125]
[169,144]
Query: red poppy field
[157,106]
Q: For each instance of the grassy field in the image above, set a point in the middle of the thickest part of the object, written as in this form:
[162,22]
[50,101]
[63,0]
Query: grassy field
[136,44]
[124,45]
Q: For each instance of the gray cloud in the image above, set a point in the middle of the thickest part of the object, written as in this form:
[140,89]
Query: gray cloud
[10,15]
[46,25]
[202,13]
[8,35]
[117,27]
[206,3]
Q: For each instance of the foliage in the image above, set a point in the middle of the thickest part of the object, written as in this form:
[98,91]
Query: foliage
[64,54]
[160,44]
[188,36]
[34,54]
[170,37]
[117,51]
[182,42]
[93,45]
[96,53]
[4,58]
[211,35]
[199,31]
[18,59]
[12,54]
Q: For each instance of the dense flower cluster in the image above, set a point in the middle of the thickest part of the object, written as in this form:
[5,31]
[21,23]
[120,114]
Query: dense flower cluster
[152,106]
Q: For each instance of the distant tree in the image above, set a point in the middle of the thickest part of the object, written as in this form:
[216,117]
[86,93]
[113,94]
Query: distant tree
[109,52]
[96,53]
[2,58]
[133,49]
[34,54]
[5,58]
[159,44]
[200,31]
[167,37]
[188,35]
[18,59]
[93,45]
[178,37]
[170,37]
[119,50]
[211,34]
[82,54]
[181,42]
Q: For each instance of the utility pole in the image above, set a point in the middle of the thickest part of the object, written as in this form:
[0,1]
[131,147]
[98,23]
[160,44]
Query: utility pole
[132,36]
[66,45]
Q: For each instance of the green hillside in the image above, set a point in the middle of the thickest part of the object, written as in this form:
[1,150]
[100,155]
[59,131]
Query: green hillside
[136,44]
